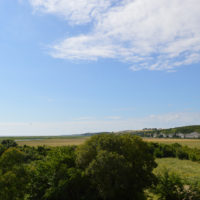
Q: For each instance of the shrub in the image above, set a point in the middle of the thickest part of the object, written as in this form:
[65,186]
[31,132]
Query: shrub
[171,187]
[9,143]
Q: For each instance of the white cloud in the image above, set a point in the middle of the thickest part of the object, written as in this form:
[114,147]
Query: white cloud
[153,35]
[76,11]
[113,123]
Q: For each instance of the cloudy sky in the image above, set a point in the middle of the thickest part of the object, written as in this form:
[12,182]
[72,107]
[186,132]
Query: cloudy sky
[98,65]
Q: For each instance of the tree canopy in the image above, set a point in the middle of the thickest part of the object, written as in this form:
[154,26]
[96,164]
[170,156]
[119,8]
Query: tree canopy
[119,166]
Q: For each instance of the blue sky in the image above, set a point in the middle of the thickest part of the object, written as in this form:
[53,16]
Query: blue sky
[84,66]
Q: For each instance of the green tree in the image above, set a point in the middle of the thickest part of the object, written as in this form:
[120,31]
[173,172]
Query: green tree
[119,166]
[2,149]
[57,177]
[11,158]
[9,143]
[13,175]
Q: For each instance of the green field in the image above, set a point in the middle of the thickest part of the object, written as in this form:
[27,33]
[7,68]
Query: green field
[76,140]
[59,141]
[193,143]
[54,142]
[186,169]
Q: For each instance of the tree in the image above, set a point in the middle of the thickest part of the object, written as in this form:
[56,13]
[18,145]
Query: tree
[119,166]
[10,158]
[13,175]
[9,143]
[56,177]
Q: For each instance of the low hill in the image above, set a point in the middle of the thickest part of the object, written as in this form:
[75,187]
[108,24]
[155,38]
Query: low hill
[150,132]
[171,132]
[183,129]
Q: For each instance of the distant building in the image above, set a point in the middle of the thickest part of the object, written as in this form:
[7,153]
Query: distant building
[155,135]
[149,129]
[181,135]
[192,135]
[170,135]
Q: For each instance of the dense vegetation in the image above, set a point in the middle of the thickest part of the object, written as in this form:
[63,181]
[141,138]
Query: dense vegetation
[183,129]
[187,169]
[174,150]
[105,167]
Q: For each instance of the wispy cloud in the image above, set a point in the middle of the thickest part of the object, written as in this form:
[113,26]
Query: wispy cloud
[152,35]
[76,11]
[113,117]
[114,123]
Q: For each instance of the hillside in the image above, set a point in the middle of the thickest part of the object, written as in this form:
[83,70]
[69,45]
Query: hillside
[154,132]
[184,132]
[183,129]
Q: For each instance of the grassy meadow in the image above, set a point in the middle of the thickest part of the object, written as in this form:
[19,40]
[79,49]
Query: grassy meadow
[186,169]
[193,143]
[76,140]
[54,141]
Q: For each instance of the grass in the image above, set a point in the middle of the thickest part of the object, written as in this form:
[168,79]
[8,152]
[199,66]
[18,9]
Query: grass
[193,143]
[54,142]
[41,137]
[76,140]
[186,169]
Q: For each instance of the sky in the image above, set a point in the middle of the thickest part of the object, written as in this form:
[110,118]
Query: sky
[70,67]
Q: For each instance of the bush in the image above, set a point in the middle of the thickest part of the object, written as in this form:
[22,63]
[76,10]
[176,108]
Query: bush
[182,154]
[171,187]
[174,150]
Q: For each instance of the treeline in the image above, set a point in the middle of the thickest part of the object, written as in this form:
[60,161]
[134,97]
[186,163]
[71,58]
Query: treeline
[105,167]
[183,129]
[174,150]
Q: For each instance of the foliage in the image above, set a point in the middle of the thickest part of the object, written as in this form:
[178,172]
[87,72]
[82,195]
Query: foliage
[57,177]
[119,166]
[174,150]
[183,129]
[171,187]
[105,167]
[187,169]
[8,143]
[2,149]
[13,175]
